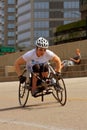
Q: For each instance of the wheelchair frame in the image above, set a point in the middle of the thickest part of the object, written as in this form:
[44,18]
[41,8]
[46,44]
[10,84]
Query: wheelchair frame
[25,88]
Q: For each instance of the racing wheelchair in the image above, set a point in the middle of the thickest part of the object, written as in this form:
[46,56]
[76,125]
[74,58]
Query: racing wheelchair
[54,82]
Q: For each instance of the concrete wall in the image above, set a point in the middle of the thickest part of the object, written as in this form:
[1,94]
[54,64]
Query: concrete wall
[64,51]
[68,49]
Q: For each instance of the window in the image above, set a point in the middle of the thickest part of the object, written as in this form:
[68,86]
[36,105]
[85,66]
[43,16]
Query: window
[24,8]
[11,42]
[11,34]
[23,36]
[71,14]
[71,4]
[11,9]
[24,44]
[41,5]
[41,14]
[20,2]
[24,17]
[41,24]
[41,33]
[11,17]
[11,1]
[67,22]
[11,26]
[24,27]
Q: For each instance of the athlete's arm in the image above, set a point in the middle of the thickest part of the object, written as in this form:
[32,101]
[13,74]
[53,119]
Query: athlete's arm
[20,61]
[57,61]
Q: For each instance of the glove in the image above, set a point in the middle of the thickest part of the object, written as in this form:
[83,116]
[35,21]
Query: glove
[58,74]
[22,78]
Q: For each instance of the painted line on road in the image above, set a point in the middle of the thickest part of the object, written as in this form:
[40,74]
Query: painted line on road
[47,127]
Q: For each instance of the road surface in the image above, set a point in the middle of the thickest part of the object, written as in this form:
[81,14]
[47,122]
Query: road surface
[47,115]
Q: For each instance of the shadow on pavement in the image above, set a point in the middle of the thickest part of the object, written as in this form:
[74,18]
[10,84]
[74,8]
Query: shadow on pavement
[31,107]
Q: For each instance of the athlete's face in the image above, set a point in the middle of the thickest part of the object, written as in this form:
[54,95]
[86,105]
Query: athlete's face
[77,51]
[40,51]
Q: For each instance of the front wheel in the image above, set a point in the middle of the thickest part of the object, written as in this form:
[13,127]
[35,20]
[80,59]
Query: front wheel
[24,90]
[59,92]
[23,94]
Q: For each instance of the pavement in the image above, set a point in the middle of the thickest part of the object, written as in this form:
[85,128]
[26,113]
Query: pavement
[47,115]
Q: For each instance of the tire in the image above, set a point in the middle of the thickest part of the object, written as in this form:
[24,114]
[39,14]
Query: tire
[23,94]
[24,89]
[60,96]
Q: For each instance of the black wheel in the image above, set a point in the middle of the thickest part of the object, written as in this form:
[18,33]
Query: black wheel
[59,91]
[24,92]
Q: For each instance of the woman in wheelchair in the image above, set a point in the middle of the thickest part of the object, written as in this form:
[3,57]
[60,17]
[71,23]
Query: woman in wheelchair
[37,60]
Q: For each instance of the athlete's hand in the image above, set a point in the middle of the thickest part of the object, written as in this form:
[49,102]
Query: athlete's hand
[58,74]
[22,78]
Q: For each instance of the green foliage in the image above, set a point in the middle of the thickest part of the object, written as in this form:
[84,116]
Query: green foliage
[71,32]
[78,24]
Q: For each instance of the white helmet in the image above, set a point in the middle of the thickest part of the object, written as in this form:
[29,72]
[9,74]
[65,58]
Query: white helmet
[42,42]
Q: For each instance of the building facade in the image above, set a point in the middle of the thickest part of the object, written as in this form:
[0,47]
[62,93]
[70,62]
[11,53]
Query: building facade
[8,22]
[36,18]
[71,11]
[23,21]
[83,9]
[1,22]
